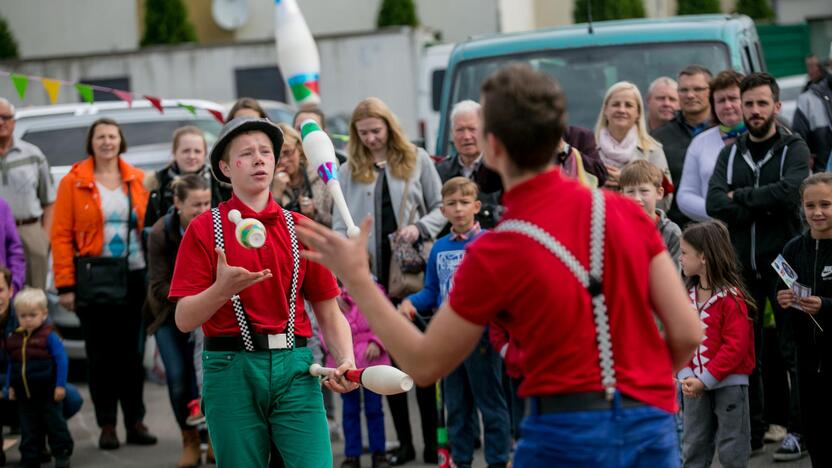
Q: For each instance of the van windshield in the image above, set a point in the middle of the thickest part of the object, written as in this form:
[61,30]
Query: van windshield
[586,73]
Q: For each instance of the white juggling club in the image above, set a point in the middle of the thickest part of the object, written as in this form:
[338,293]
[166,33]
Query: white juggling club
[297,53]
[320,153]
[384,380]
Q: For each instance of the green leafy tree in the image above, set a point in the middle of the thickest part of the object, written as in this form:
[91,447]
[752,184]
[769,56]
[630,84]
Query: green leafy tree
[759,10]
[166,22]
[397,13]
[697,7]
[608,10]
[8,45]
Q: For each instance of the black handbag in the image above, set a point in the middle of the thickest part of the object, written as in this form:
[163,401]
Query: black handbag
[103,280]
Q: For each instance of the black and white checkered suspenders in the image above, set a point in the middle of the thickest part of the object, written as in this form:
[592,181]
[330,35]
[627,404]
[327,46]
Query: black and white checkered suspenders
[592,280]
[237,303]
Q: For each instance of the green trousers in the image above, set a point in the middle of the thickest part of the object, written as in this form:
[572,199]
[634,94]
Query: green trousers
[251,398]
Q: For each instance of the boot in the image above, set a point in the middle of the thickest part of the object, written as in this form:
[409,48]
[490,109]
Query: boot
[139,435]
[108,439]
[191,454]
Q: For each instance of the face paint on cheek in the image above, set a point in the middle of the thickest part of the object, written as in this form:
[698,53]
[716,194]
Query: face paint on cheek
[239,164]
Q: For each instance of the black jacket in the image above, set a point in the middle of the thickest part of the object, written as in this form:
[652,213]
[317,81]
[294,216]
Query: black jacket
[491,190]
[813,121]
[764,212]
[161,198]
[811,259]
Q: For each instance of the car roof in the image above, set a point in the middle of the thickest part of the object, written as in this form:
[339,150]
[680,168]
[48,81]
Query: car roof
[617,32]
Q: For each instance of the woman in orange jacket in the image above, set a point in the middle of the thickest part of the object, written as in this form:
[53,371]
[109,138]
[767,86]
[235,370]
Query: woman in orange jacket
[99,213]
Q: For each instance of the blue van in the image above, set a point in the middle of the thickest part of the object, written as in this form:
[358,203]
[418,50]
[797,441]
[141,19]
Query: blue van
[587,63]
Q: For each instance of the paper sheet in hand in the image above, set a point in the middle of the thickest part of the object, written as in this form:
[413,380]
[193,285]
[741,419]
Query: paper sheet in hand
[800,291]
[786,272]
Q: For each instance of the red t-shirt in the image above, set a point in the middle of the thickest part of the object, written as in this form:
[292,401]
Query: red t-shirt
[266,303]
[517,282]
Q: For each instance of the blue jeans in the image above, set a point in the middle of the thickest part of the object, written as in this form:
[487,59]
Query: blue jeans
[352,422]
[177,353]
[39,419]
[618,437]
[478,381]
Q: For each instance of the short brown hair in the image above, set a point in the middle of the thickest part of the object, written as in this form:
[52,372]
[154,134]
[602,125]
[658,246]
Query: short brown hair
[188,130]
[640,172]
[526,110]
[246,103]
[7,275]
[695,69]
[310,110]
[122,147]
[725,79]
[463,185]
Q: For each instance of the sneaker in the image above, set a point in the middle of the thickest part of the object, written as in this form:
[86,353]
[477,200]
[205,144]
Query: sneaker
[351,462]
[195,416]
[792,448]
[775,433]
[380,460]
[62,462]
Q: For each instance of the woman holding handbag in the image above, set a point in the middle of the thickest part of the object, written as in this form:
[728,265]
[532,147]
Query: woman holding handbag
[99,270]
[396,183]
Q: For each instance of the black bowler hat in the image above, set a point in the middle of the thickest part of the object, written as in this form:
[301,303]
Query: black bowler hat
[233,128]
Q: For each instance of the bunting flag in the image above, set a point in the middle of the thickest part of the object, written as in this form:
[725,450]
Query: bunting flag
[217,115]
[52,88]
[155,102]
[125,96]
[187,107]
[20,83]
[85,91]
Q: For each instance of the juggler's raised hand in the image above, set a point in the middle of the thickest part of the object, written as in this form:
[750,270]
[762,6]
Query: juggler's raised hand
[345,257]
[232,279]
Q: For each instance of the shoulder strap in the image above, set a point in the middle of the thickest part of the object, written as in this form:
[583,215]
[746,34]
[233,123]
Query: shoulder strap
[236,303]
[592,279]
[293,291]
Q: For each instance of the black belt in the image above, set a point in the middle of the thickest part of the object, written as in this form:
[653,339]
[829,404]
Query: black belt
[586,401]
[259,340]
[23,222]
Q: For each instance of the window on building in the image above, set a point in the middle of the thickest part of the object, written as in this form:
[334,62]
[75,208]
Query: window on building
[260,83]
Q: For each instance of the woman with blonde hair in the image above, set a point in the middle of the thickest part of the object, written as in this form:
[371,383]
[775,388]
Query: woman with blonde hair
[396,183]
[296,186]
[621,132]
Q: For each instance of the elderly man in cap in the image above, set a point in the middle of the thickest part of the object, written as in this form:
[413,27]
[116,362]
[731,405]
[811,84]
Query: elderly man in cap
[250,304]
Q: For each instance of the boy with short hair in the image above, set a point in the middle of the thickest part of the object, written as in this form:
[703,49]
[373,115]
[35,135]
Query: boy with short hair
[478,379]
[256,386]
[36,376]
[642,182]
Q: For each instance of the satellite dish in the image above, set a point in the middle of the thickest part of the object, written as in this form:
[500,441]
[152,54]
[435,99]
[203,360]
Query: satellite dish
[229,14]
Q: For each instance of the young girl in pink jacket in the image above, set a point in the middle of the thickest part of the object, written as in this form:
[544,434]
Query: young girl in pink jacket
[368,352]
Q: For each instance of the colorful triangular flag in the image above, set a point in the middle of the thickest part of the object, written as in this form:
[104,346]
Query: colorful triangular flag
[20,83]
[85,91]
[155,102]
[187,107]
[52,88]
[217,115]
[125,96]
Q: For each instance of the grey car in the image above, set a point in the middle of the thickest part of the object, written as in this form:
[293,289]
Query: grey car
[60,132]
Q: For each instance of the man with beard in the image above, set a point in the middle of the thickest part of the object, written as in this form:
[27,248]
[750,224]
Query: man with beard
[755,190]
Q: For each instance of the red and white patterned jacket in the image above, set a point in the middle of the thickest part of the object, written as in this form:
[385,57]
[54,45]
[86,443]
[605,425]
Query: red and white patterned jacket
[726,355]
